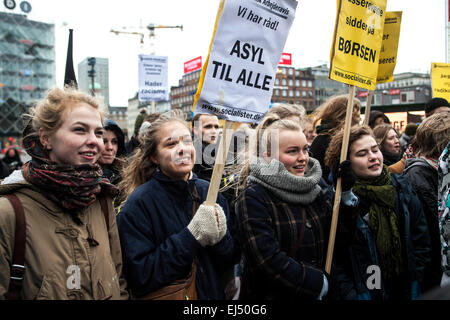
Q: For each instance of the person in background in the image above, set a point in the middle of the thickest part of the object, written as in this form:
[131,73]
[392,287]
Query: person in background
[205,129]
[376,118]
[444,212]
[430,141]
[331,115]
[387,138]
[133,143]
[390,230]
[4,169]
[308,130]
[407,136]
[436,105]
[72,243]
[12,159]
[113,157]
[161,231]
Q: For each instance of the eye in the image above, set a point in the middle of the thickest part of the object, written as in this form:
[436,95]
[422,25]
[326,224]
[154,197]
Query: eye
[99,133]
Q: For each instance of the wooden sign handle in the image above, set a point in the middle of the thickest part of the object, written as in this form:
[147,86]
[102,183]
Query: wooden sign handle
[219,165]
[337,197]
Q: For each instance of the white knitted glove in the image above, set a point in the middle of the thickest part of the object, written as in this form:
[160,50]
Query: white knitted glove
[222,222]
[203,226]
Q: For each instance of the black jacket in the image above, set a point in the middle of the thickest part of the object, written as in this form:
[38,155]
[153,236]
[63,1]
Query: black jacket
[353,259]
[424,180]
[318,149]
[157,246]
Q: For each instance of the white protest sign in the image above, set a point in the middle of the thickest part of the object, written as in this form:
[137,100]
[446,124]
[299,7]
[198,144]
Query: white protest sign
[153,80]
[237,79]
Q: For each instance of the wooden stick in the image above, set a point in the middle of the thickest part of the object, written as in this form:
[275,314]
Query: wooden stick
[219,165]
[368,104]
[337,197]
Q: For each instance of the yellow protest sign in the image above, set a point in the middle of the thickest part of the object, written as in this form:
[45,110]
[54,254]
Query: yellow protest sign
[440,80]
[389,46]
[357,42]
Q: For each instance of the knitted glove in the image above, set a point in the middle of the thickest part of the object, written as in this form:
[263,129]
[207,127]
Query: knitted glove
[347,175]
[203,226]
[222,222]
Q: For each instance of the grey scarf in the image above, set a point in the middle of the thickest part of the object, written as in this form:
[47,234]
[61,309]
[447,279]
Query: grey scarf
[286,186]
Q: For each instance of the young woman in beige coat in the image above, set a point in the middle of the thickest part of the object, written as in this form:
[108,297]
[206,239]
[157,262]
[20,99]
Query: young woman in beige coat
[72,247]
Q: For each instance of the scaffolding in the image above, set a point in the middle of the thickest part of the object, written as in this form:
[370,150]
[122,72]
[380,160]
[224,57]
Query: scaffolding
[27,68]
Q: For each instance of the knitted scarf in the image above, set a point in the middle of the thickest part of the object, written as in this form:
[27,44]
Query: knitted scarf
[382,220]
[73,187]
[286,186]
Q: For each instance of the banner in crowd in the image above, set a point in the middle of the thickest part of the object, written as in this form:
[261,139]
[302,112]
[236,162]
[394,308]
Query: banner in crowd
[153,78]
[440,80]
[358,34]
[237,78]
[389,46]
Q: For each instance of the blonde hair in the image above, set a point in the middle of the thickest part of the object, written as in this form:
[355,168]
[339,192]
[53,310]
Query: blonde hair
[433,135]
[142,168]
[48,113]
[333,112]
[284,110]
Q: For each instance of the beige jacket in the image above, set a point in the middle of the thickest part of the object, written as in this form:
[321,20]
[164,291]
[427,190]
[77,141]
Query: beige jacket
[59,261]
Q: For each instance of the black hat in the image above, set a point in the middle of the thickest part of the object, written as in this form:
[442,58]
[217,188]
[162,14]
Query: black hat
[435,103]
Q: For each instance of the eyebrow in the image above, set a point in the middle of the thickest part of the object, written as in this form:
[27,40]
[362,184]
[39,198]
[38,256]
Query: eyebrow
[85,125]
[176,138]
[365,149]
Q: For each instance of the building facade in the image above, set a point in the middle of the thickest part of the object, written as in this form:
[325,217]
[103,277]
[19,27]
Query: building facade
[101,79]
[407,88]
[325,88]
[27,68]
[119,116]
[182,96]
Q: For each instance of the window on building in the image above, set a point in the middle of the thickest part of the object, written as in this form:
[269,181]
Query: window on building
[309,84]
[277,82]
[297,93]
[291,82]
[297,83]
[303,83]
[304,94]
[291,93]
[283,82]
[291,71]
[284,93]
[277,92]
[283,70]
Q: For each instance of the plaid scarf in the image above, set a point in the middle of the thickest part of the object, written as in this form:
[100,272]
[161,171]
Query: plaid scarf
[382,220]
[73,187]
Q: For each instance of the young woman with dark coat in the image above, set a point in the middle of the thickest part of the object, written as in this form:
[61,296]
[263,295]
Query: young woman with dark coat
[431,138]
[160,237]
[386,254]
[387,138]
[283,217]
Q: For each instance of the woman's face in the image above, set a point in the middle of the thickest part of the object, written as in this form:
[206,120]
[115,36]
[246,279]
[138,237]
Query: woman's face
[11,153]
[366,158]
[356,116]
[79,140]
[111,146]
[292,151]
[309,132]
[175,151]
[391,143]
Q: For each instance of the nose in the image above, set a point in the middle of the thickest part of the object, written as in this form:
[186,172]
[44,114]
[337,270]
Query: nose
[108,145]
[301,156]
[93,140]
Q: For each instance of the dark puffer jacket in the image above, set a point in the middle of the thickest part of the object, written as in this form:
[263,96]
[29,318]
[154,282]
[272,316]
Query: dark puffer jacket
[353,259]
[157,246]
[424,180]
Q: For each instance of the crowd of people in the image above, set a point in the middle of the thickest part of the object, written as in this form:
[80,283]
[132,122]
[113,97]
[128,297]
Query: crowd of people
[92,216]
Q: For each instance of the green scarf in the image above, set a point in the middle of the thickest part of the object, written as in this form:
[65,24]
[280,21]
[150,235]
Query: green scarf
[382,220]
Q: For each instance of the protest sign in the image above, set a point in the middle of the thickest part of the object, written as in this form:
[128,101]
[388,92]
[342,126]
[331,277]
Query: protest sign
[153,79]
[440,80]
[248,39]
[357,41]
[389,47]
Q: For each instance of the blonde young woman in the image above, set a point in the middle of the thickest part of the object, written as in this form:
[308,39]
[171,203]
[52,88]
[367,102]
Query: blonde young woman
[72,247]
[160,237]
[283,217]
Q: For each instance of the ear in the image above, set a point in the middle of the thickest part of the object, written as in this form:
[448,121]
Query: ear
[154,160]
[45,140]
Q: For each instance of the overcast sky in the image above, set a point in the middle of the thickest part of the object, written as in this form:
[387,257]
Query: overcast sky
[422,36]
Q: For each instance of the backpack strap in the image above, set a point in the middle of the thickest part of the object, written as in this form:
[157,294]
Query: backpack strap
[104,205]
[18,259]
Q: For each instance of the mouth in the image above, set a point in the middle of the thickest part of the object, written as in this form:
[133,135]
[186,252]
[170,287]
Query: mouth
[375,166]
[88,155]
[183,161]
[299,168]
